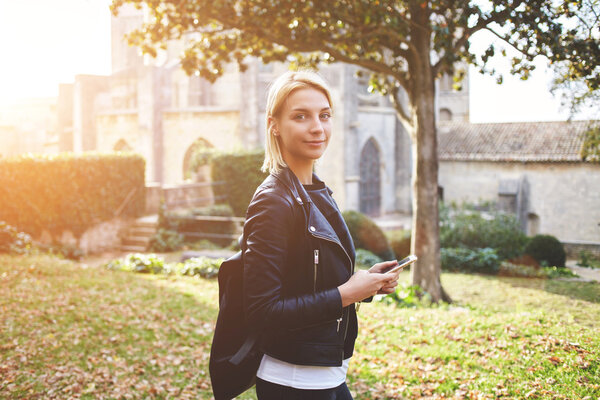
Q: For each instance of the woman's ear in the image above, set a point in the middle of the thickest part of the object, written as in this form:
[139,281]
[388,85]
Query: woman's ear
[273,126]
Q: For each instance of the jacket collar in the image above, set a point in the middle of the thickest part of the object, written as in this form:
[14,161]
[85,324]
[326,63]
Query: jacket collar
[291,181]
[317,223]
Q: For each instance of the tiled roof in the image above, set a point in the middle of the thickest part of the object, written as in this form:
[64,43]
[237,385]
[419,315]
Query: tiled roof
[514,141]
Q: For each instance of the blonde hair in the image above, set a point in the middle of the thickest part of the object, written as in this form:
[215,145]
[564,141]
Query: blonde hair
[279,91]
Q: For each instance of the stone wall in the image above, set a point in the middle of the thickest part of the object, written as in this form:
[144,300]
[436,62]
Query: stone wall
[562,201]
[101,237]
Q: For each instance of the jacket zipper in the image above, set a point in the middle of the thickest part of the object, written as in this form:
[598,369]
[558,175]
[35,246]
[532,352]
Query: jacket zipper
[316,263]
[340,319]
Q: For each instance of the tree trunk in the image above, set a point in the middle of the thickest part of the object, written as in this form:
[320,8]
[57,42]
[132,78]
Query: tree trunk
[425,222]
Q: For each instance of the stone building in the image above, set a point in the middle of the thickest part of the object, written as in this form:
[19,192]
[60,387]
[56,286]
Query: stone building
[151,107]
[532,169]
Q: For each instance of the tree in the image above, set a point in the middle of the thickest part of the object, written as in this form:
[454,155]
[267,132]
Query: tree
[404,45]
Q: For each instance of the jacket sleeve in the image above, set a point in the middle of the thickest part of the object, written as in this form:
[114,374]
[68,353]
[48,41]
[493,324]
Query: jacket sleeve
[268,228]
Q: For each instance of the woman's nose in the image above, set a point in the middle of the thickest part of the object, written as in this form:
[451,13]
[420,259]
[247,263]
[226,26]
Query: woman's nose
[316,125]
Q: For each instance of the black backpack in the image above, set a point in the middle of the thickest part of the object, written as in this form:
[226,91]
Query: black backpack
[234,357]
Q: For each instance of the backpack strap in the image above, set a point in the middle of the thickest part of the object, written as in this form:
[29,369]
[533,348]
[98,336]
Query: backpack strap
[238,357]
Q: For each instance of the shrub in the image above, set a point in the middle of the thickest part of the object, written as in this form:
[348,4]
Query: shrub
[69,191]
[547,249]
[406,296]
[587,260]
[150,263]
[367,235]
[204,267]
[461,259]
[184,222]
[366,259]
[165,240]
[241,175]
[462,227]
[13,241]
[400,242]
[138,262]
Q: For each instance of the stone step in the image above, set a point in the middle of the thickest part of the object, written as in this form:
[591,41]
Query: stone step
[133,249]
[136,240]
[141,231]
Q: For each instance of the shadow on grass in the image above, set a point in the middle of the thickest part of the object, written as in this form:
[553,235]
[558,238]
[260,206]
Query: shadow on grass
[577,290]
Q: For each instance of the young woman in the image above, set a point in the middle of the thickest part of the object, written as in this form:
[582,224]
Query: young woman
[299,280]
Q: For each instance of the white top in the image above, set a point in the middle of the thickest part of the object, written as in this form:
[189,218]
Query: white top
[301,376]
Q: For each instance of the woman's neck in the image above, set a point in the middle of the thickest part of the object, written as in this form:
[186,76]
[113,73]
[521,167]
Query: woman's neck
[303,171]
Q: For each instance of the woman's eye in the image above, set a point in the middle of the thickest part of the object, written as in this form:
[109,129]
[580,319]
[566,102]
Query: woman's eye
[299,116]
[325,116]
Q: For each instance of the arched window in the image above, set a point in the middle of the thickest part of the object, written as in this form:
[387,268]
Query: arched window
[122,145]
[370,179]
[445,115]
[194,157]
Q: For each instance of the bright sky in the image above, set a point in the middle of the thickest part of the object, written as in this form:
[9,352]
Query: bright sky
[44,43]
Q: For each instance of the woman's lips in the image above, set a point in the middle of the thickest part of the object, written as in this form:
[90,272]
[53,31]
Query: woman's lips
[315,143]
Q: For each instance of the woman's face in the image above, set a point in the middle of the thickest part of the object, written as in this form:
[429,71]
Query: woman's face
[304,126]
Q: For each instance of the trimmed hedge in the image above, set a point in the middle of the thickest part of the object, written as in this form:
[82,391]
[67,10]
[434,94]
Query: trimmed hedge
[241,174]
[474,230]
[367,235]
[547,249]
[400,242]
[69,191]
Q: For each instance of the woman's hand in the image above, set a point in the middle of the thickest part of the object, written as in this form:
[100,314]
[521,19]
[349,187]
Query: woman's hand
[365,284]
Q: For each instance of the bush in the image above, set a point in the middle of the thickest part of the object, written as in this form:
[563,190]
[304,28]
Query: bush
[138,262]
[68,191]
[150,263]
[366,259]
[241,175]
[587,260]
[13,241]
[400,242]
[546,249]
[460,259]
[406,296]
[165,240]
[367,235]
[183,221]
[462,227]
[204,267]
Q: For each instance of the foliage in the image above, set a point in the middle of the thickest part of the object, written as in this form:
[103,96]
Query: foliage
[367,235]
[203,267]
[590,149]
[400,242]
[406,296]
[165,240]
[138,262]
[587,260]
[68,331]
[186,223]
[547,249]
[402,46]
[366,259]
[13,241]
[579,82]
[240,173]
[69,191]
[527,271]
[68,251]
[463,227]
[461,259]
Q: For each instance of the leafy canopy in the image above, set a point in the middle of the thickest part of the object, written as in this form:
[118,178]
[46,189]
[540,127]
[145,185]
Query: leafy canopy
[385,37]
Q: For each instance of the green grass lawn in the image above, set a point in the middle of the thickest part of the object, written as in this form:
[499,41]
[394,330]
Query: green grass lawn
[71,331]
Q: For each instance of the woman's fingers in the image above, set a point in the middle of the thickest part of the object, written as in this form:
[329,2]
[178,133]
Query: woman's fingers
[381,267]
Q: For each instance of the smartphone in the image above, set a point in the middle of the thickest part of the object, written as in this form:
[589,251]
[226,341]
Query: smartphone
[403,263]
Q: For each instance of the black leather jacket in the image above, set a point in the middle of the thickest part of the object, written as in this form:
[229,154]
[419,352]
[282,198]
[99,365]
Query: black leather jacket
[293,264]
